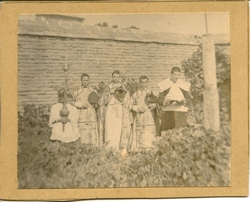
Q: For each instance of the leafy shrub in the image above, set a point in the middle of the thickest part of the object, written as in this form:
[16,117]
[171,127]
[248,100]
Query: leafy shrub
[181,157]
[35,119]
[196,157]
[130,84]
[194,73]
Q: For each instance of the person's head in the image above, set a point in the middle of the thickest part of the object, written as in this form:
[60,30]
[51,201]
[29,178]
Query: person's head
[119,94]
[69,97]
[85,80]
[175,74]
[116,76]
[143,81]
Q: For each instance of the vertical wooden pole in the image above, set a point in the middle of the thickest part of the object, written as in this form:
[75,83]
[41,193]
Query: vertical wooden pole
[210,96]
[206,23]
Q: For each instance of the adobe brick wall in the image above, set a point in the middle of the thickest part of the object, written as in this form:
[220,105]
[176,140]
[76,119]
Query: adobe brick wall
[42,56]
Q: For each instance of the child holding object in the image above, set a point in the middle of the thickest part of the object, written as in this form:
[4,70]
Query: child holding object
[64,129]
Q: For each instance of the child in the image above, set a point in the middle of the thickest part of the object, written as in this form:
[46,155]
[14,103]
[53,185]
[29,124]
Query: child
[70,131]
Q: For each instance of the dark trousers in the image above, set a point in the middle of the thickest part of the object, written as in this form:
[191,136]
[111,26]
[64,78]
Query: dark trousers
[172,119]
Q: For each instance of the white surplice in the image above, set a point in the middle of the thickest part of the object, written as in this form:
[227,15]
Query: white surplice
[71,132]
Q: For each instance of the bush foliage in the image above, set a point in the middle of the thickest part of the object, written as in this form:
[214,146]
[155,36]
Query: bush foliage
[194,74]
[190,156]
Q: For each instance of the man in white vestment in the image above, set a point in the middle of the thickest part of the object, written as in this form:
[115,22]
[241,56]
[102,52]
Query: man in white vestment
[118,121]
[103,102]
[115,115]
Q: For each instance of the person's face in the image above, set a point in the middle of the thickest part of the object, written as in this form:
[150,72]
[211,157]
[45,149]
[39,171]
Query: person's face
[85,81]
[144,83]
[69,100]
[116,78]
[119,95]
[175,76]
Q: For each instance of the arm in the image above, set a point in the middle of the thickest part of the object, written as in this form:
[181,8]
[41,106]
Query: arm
[135,107]
[78,103]
[75,102]
[161,98]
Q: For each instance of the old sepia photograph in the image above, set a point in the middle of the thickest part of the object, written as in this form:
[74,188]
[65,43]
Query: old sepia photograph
[124,100]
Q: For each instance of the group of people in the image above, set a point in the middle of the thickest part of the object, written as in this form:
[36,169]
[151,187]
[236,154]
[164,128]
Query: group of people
[118,119]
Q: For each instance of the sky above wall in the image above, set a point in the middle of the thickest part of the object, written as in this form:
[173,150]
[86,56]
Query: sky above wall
[180,23]
[185,23]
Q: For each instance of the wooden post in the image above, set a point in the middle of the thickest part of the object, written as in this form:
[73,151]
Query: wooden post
[211,95]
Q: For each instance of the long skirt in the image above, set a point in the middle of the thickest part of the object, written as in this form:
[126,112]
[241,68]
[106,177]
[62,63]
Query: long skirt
[173,119]
[113,126]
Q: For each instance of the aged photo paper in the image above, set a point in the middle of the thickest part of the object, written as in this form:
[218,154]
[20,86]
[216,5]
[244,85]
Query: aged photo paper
[124,100]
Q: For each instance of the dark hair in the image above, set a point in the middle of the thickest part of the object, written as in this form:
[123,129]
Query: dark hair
[116,72]
[143,77]
[69,95]
[84,75]
[175,69]
[61,94]
[120,91]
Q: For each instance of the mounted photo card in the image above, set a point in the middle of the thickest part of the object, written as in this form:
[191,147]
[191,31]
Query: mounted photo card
[103,100]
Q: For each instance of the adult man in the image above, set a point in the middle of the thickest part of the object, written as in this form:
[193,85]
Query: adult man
[103,102]
[114,114]
[64,129]
[87,122]
[115,83]
[117,121]
[146,122]
[172,98]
